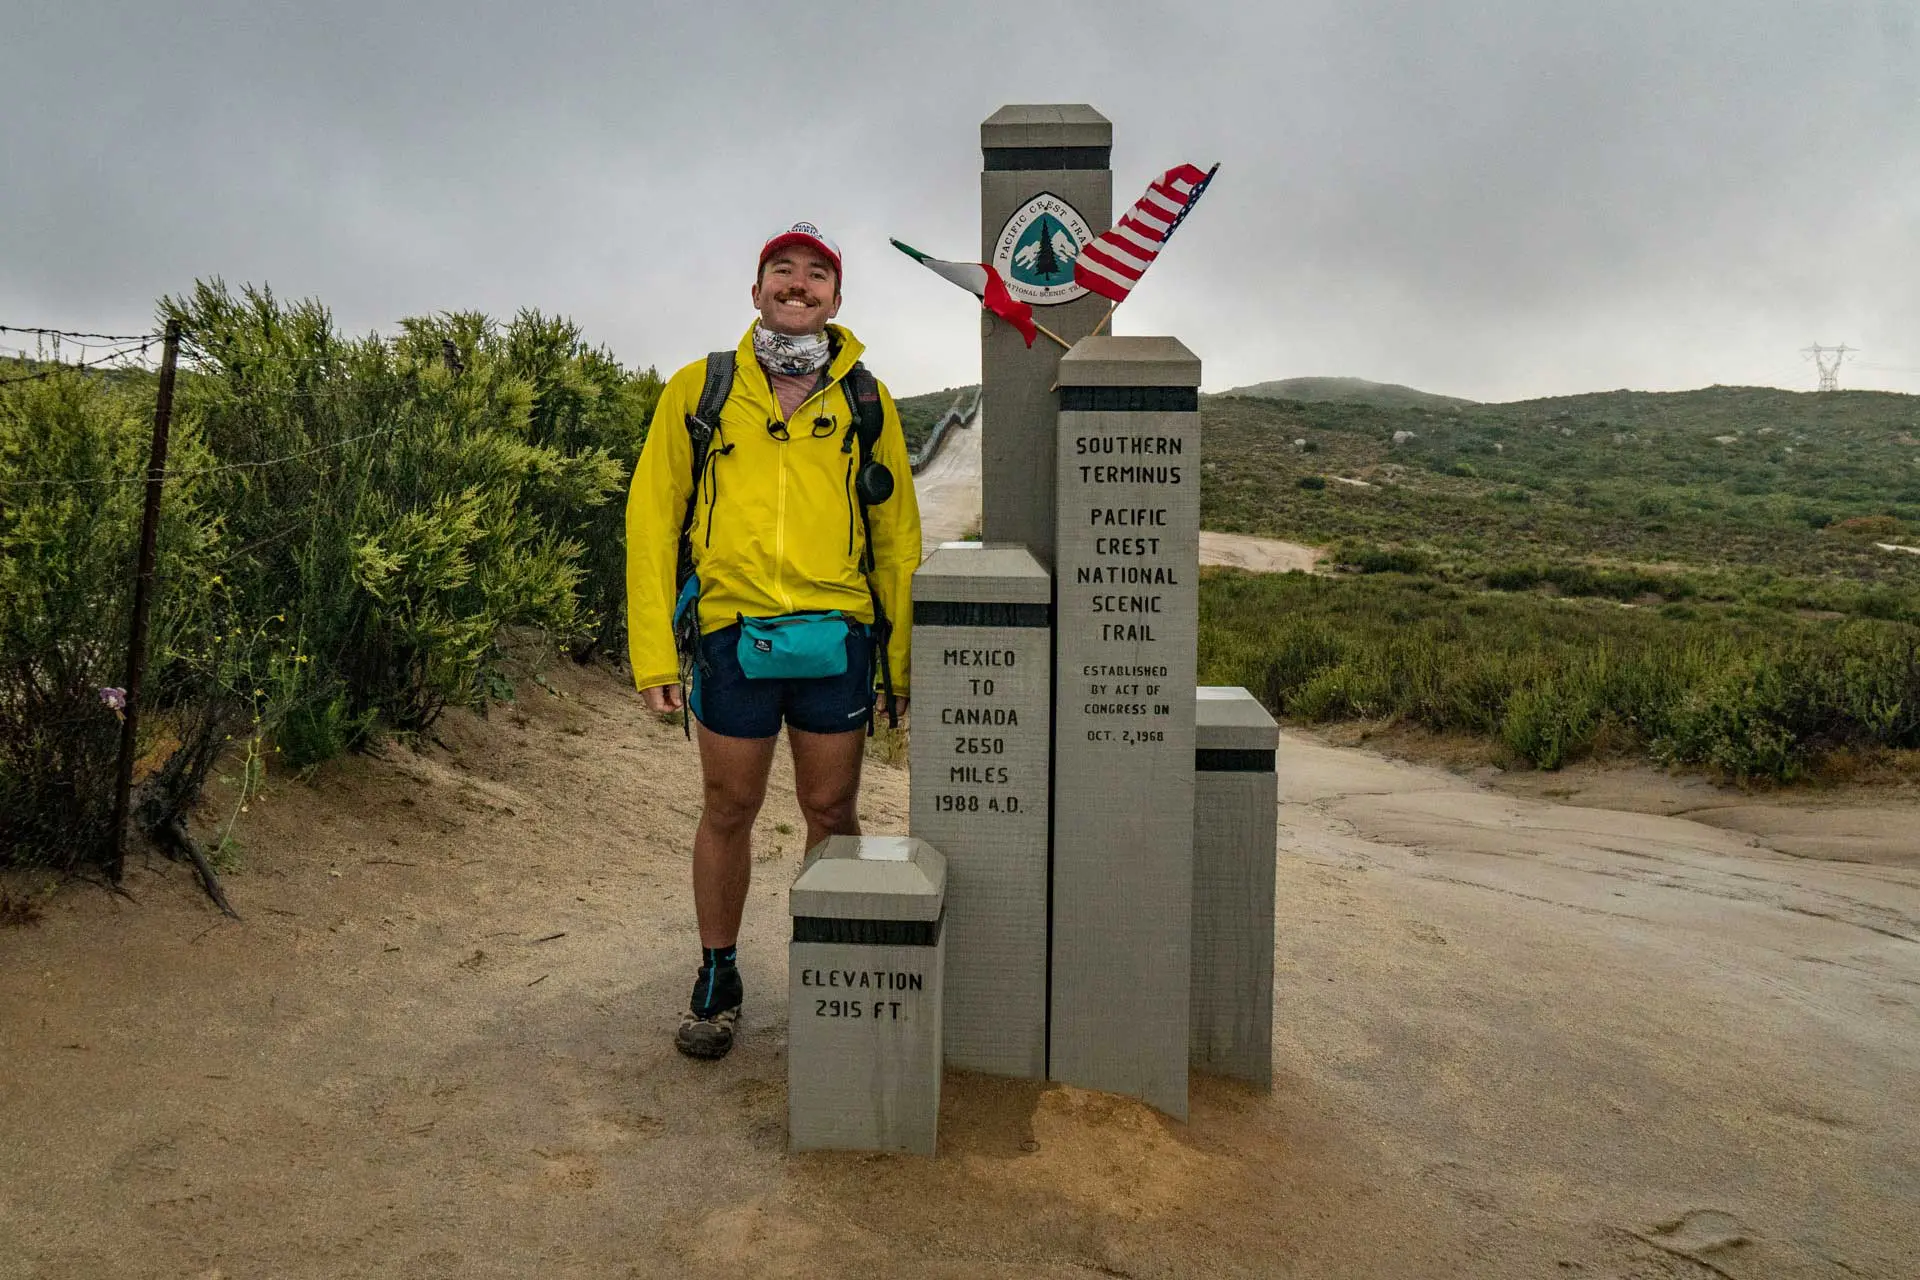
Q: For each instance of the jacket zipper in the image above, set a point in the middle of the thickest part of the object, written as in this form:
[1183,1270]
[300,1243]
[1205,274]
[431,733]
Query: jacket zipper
[780,533]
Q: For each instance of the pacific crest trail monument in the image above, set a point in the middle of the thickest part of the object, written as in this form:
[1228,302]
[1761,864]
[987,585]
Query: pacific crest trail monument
[1057,727]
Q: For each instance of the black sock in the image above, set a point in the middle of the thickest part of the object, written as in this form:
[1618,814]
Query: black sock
[718,985]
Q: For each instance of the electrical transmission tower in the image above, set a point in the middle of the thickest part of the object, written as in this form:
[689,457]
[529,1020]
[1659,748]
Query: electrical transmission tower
[1827,360]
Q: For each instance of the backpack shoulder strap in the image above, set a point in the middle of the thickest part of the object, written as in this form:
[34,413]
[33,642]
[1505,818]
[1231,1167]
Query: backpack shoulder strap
[704,421]
[702,424]
[705,418]
[869,415]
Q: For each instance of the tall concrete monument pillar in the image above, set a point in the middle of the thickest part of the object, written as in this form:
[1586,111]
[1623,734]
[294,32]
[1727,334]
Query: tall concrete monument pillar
[1046,188]
[1126,624]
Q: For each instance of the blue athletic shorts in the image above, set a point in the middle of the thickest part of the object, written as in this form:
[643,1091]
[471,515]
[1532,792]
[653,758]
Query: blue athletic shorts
[728,703]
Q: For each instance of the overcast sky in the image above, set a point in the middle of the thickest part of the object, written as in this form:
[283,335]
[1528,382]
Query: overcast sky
[1488,198]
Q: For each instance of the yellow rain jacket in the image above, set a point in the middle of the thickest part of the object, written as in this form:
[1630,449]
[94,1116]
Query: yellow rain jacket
[777,526]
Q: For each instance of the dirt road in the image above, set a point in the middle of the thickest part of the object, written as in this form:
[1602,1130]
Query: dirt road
[1260,555]
[949,489]
[1514,1039]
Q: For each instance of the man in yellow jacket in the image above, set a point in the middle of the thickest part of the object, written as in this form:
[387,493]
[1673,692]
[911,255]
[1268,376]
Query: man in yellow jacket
[779,552]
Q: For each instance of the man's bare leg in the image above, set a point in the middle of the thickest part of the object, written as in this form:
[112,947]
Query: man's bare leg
[826,780]
[734,772]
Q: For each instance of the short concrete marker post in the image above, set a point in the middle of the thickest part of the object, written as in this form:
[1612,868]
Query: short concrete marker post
[1235,812]
[982,709]
[863,993]
[1126,627]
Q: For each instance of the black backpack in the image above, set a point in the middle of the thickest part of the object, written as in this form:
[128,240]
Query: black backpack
[873,484]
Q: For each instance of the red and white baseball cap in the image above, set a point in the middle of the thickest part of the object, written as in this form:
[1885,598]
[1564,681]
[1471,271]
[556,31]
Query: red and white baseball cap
[803,233]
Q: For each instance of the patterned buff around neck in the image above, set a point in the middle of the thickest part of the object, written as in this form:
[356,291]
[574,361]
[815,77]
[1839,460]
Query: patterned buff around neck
[785,353]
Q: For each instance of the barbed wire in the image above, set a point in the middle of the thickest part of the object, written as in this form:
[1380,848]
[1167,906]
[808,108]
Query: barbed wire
[62,344]
[59,367]
[192,351]
[69,333]
[195,472]
[193,363]
[39,350]
[54,356]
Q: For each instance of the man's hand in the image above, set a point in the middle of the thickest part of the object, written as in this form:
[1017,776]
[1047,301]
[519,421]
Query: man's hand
[899,708]
[663,698]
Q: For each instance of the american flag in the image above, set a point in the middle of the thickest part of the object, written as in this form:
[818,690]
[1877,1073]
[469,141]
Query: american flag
[1113,263]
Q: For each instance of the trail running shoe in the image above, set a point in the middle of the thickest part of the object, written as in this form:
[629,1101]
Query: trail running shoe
[706,1030]
[708,1037]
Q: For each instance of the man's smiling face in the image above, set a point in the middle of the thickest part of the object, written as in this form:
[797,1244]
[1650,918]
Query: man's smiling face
[798,291]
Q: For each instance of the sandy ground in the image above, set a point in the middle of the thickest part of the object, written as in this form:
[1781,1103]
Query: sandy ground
[1514,1038]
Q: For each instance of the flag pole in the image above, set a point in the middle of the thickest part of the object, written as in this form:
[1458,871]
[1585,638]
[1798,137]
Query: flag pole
[1111,308]
[1064,344]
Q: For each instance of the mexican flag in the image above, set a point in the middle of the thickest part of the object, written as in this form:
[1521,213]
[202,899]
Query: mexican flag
[984,283]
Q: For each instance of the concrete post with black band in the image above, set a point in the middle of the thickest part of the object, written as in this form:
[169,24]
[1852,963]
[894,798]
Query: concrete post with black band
[1046,189]
[863,996]
[1126,575]
[1235,812]
[982,702]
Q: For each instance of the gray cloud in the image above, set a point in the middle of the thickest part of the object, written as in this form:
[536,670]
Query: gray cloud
[1493,199]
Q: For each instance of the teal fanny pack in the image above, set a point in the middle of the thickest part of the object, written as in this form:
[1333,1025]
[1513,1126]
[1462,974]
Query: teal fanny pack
[795,646]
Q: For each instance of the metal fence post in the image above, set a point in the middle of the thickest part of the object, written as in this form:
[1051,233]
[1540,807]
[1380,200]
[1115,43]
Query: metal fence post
[142,603]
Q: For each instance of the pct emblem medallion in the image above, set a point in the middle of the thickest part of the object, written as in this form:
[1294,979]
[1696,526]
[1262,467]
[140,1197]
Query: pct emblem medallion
[1035,251]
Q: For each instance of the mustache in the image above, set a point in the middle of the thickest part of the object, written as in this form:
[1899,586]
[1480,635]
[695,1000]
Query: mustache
[793,295]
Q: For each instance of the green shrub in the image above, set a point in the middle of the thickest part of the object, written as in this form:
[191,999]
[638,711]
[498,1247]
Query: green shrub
[1375,559]
[402,501]
[1300,652]
[350,526]
[1741,721]
[1550,723]
[1516,577]
[1759,696]
[72,450]
[315,731]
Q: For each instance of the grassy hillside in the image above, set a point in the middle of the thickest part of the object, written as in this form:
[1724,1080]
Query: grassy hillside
[1386,395]
[1726,480]
[1695,576]
[919,413]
